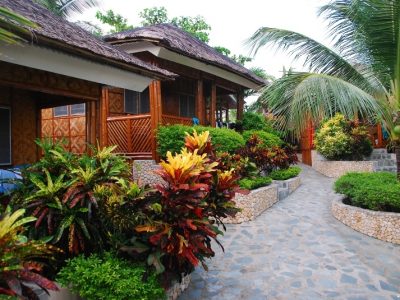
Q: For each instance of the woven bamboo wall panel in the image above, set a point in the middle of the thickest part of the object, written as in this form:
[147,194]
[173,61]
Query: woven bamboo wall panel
[47,128]
[47,113]
[78,126]
[61,127]
[116,101]
[78,144]
[24,128]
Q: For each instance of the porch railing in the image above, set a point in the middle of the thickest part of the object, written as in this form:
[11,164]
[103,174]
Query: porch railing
[172,120]
[131,134]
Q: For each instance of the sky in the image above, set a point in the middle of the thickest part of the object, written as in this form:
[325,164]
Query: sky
[232,22]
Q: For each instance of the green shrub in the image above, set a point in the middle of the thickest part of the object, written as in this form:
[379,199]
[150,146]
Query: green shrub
[340,139]
[268,139]
[251,184]
[108,277]
[375,191]
[255,121]
[171,138]
[284,174]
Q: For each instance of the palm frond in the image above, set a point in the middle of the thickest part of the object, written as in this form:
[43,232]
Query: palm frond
[13,26]
[318,58]
[298,98]
[65,8]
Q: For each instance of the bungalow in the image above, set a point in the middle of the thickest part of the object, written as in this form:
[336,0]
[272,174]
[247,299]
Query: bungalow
[209,84]
[61,64]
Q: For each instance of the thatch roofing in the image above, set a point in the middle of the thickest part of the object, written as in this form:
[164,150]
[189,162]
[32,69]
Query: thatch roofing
[58,33]
[177,40]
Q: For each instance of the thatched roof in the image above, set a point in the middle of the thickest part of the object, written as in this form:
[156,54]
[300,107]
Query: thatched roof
[60,34]
[177,40]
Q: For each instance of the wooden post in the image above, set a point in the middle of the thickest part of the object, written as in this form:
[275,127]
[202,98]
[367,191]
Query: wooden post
[240,105]
[200,102]
[213,104]
[227,116]
[91,117]
[155,111]
[104,112]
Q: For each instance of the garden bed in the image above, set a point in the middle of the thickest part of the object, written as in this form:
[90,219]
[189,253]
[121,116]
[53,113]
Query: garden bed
[381,225]
[337,168]
[259,200]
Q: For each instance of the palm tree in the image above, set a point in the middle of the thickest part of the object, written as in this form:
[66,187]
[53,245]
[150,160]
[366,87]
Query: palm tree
[358,75]
[65,8]
[12,25]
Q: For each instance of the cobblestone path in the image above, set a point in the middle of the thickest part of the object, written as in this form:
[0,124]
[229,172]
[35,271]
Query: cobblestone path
[298,250]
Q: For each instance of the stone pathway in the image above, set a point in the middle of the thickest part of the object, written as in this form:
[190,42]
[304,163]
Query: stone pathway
[298,250]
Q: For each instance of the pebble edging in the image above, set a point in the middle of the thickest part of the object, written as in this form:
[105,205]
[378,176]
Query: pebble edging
[384,226]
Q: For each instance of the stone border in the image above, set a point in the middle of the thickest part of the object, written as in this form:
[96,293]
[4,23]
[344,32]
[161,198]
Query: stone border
[384,226]
[259,200]
[179,287]
[337,168]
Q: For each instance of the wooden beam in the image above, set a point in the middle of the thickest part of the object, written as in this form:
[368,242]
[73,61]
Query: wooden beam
[200,102]
[104,112]
[240,105]
[213,104]
[91,117]
[156,112]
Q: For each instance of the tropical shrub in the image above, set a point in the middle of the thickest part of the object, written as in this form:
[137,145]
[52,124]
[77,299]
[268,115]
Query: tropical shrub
[340,139]
[254,183]
[182,217]
[376,191]
[242,166]
[59,191]
[171,138]
[267,159]
[255,121]
[268,139]
[107,276]
[284,174]
[20,259]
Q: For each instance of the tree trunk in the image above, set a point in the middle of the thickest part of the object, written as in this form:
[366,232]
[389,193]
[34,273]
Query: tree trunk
[397,151]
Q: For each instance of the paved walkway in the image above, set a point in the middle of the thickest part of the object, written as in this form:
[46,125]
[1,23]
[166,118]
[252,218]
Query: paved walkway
[297,250]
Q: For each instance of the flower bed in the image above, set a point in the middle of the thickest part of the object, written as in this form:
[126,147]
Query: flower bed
[381,225]
[259,200]
[337,168]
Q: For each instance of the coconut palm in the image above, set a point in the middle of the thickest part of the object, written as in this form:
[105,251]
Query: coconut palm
[12,26]
[65,8]
[358,75]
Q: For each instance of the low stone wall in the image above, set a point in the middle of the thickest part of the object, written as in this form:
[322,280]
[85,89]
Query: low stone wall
[332,168]
[177,289]
[143,170]
[286,187]
[381,225]
[254,203]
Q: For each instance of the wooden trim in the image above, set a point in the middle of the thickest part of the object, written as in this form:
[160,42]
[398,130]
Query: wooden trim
[213,104]
[130,117]
[104,112]
[200,102]
[240,105]
[155,112]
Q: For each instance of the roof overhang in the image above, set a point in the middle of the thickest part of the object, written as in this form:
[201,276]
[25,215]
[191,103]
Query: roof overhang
[142,46]
[58,62]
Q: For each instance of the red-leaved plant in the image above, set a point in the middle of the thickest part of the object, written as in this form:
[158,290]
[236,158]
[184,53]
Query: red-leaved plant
[181,222]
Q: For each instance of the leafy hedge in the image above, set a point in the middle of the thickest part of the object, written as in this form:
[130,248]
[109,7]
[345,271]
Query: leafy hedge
[376,191]
[109,277]
[171,138]
[284,174]
[268,139]
[251,184]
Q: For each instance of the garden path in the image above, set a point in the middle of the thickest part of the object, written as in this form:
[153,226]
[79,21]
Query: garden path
[298,250]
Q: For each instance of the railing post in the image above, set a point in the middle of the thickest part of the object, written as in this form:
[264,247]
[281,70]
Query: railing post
[155,112]
[104,108]
[240,105]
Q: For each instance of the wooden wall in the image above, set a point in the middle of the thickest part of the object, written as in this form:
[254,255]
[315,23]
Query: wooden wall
[71,129]
[116,101]
[23,124]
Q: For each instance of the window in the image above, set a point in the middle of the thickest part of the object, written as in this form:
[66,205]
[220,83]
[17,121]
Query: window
[5,136]
[186,106]
[136,102]
[60,111]
[78,109]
